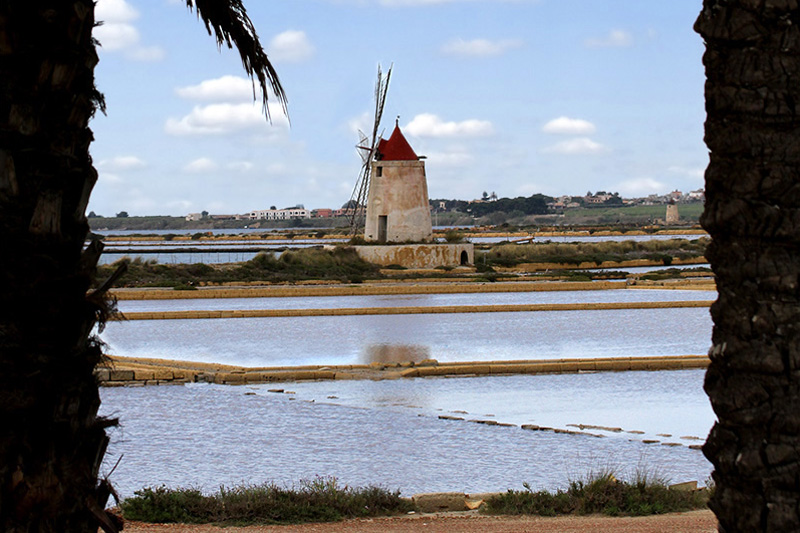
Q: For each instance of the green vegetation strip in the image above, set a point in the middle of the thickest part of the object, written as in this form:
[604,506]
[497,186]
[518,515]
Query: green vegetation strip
[324,500]
[269,313]
[319,500]
[602,493]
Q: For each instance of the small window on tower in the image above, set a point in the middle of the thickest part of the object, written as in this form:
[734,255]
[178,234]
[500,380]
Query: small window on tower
[379,171]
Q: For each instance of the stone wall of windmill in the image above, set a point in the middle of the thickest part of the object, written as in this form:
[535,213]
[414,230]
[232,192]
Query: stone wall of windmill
[397,203]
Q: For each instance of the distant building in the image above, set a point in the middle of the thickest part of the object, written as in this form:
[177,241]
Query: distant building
[672,213]
[288,213]
[321,213]
[191,217]
[675,195]
[345,212]
[699,194]
[597,198]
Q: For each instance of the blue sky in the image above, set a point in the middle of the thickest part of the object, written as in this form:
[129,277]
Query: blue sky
[512,96]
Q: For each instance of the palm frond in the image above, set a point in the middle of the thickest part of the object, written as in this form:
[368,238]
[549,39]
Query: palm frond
[228,22]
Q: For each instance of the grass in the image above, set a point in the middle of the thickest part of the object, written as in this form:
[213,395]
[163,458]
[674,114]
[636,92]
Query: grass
[663,251]
[324,500]
[600,493]
[340,264]
[344,265]
[672,273]
[318,500]
[638,214]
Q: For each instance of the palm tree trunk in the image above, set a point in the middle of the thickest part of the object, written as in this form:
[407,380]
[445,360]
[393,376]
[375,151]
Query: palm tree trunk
[752,212]
[51,439]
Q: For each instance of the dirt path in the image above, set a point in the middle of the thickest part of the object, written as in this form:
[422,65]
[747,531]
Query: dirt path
[689,522]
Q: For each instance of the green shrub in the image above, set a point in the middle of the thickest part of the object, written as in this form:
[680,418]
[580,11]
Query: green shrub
[162,505]
[578,276]
[507,254]
[318,500]
[601,493]
[453,236]
[341,263]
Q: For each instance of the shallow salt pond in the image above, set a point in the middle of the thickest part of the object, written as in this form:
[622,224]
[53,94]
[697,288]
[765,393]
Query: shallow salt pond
[389,432]
[343,340]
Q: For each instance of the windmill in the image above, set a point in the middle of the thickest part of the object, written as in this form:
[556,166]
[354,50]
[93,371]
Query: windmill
[366,149]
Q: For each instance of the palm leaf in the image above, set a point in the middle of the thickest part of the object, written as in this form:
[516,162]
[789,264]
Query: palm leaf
[228,22]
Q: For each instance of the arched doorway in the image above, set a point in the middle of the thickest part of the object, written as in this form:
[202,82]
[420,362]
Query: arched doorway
[464,257]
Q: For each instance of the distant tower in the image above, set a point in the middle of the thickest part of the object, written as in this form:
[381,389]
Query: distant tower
[397,204]
[672,213]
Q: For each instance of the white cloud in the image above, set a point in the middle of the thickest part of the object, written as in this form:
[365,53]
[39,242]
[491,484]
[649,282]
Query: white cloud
[291,46]
[240,166]
[480,47]
[200,166]
[146,54]
[121,163]
[576,146]
[430,125]
[689,172]
[569,126]
[360,123]
[108,177]
[118,34]
[456,158]
[614,39]
[115,37]
[224,89]
[641,187]
[181,205]
[218,119]
[115,11]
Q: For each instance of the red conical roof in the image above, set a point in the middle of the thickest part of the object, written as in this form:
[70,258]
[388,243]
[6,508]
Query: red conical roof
[396,148]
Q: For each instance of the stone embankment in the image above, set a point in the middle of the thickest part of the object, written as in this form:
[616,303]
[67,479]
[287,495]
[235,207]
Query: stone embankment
[366,289]
[396,287]
[125,371]
[400,310]
[590,265]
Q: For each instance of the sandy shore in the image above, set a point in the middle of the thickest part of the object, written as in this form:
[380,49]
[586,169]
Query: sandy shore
[689,522]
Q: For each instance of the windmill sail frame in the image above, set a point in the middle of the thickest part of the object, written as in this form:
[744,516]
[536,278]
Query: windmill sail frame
[358,199]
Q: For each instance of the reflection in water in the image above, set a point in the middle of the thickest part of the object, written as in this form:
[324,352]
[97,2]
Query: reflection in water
[395,353]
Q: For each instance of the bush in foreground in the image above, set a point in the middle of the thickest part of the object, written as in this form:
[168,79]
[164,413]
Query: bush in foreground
[602,493]
[319,500]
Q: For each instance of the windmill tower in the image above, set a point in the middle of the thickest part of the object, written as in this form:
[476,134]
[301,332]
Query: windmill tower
[397,205]
[391,200]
